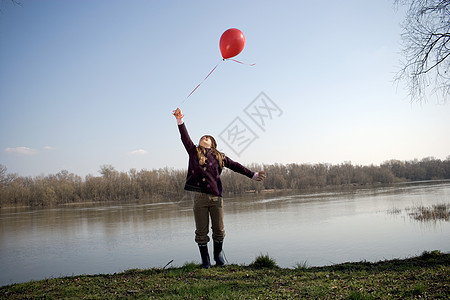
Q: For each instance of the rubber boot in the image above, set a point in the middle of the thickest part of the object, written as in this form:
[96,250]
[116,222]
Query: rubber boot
[205,255]
[218,253]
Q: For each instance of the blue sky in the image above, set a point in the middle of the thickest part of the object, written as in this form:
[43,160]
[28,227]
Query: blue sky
[88,83]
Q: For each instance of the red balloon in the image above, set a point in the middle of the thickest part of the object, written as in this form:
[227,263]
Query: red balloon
[231,43]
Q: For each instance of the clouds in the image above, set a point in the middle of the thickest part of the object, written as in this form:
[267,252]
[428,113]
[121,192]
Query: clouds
[20,151]
[25,151]
[138,152]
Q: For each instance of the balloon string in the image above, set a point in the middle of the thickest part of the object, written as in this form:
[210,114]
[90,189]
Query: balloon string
[251,65]
[210,74]
[199,84]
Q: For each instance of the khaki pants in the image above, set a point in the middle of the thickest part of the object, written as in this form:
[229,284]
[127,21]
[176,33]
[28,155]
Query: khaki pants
[205,206]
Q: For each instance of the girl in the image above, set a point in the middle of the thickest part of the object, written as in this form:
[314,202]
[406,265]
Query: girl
[203,178]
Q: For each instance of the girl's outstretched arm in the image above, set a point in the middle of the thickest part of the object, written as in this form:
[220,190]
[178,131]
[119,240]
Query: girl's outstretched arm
[185,138]
[237,167]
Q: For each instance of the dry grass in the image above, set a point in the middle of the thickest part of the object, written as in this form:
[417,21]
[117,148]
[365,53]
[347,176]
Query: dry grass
[436,212]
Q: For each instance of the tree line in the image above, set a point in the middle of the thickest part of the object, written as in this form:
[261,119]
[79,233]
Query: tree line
[168,184]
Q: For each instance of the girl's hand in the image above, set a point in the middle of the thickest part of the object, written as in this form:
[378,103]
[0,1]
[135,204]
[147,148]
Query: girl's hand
[177,113]
[261,176]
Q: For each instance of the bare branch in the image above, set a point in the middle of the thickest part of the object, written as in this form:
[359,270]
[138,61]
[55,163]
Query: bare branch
[15,2]
[425,37]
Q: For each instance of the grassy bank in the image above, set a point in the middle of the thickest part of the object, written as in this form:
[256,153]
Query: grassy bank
[427,276]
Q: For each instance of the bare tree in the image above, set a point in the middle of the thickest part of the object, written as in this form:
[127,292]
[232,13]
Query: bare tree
[426,48]
[11,1]
[5,178]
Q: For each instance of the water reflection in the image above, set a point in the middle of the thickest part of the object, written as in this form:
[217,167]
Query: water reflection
[68,220]
[319,229]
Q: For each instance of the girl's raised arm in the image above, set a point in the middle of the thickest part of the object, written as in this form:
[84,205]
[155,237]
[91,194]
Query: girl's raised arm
[185,138]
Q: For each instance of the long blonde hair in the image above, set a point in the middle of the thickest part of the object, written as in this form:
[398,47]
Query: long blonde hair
[201,151]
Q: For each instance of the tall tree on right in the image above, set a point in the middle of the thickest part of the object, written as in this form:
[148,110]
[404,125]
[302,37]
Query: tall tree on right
[425,68]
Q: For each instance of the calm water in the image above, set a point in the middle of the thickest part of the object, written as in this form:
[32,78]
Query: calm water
[314,229]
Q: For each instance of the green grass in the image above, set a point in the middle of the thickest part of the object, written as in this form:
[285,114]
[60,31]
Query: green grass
[302,265]
[427,276]
[263,262]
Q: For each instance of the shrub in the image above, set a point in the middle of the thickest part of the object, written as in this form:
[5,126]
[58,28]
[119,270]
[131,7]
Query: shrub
[264,262]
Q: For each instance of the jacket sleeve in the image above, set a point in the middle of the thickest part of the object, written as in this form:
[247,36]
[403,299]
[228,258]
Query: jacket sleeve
[237,167]
[185,138]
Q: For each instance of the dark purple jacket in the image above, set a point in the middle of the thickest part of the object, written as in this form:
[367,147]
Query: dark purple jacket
[206,178]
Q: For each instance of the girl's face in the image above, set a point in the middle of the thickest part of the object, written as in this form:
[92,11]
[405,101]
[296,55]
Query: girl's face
[205,141]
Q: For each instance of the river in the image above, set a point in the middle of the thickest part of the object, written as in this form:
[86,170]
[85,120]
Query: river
[294,229]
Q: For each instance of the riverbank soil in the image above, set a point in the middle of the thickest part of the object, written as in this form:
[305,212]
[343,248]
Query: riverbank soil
[426,276]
